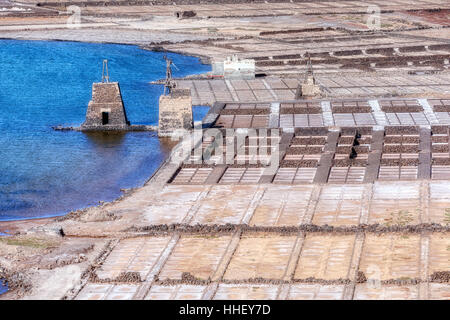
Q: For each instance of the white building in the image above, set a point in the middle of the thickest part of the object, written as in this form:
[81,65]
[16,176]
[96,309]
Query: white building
[233,68]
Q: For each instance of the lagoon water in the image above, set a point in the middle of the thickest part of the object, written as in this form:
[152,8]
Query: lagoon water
[46,173]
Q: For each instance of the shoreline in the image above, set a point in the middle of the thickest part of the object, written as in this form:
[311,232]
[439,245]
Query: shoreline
[22,224]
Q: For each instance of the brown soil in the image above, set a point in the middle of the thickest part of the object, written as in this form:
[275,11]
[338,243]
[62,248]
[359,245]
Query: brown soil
[17,281]
[440,276]
[355,162]
[400,162]
[401,130]
[266,33]
[298,163]
[384,51]
[412,49]
[439,47]
[440,148]
[401,139]
[441,108]
[361,149]
[355,130]
[361,277]
[399,109]
[441,161]
[154,230]
[348,53]
[344,150]
[311,131]
[401,148]
[309,141]
[346,140]
[439,129]
[304,150]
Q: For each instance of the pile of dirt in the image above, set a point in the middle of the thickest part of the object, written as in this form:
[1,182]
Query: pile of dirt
[128,277]
[309,141]
[257,280]
[361,149]
[397,130]
[400,109]
[366,62]
[90,272]
[288,56]
[441,108]
[304,150]
[247,164]
[443,148]
[319,54]
[267,63]
[300,110]
[339,281]
[298,164]
[311,131]
[439,129]
[186,278]
[296,62]
[439,47]
[346,140]
[17,281]
[400,162]
[194,165]
[185,14]
[208,229]
[441,161]
[289,31]
[340,149]
[440,276]
[383,51]
[356,131]
[360,163]
[398,148]
[402,281]
[361,277]
[439,139]
[412,49]
[402,139]
[348,53]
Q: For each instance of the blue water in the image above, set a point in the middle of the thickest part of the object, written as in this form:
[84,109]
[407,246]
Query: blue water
[46,173]
[3,288]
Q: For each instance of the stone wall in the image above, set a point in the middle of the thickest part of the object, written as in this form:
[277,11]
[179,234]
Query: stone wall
[175,112]
[106,99]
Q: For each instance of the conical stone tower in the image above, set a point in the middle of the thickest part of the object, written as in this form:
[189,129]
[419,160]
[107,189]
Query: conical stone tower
[106,111]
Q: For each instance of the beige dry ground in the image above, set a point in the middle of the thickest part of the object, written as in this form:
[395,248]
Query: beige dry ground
[383,240]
